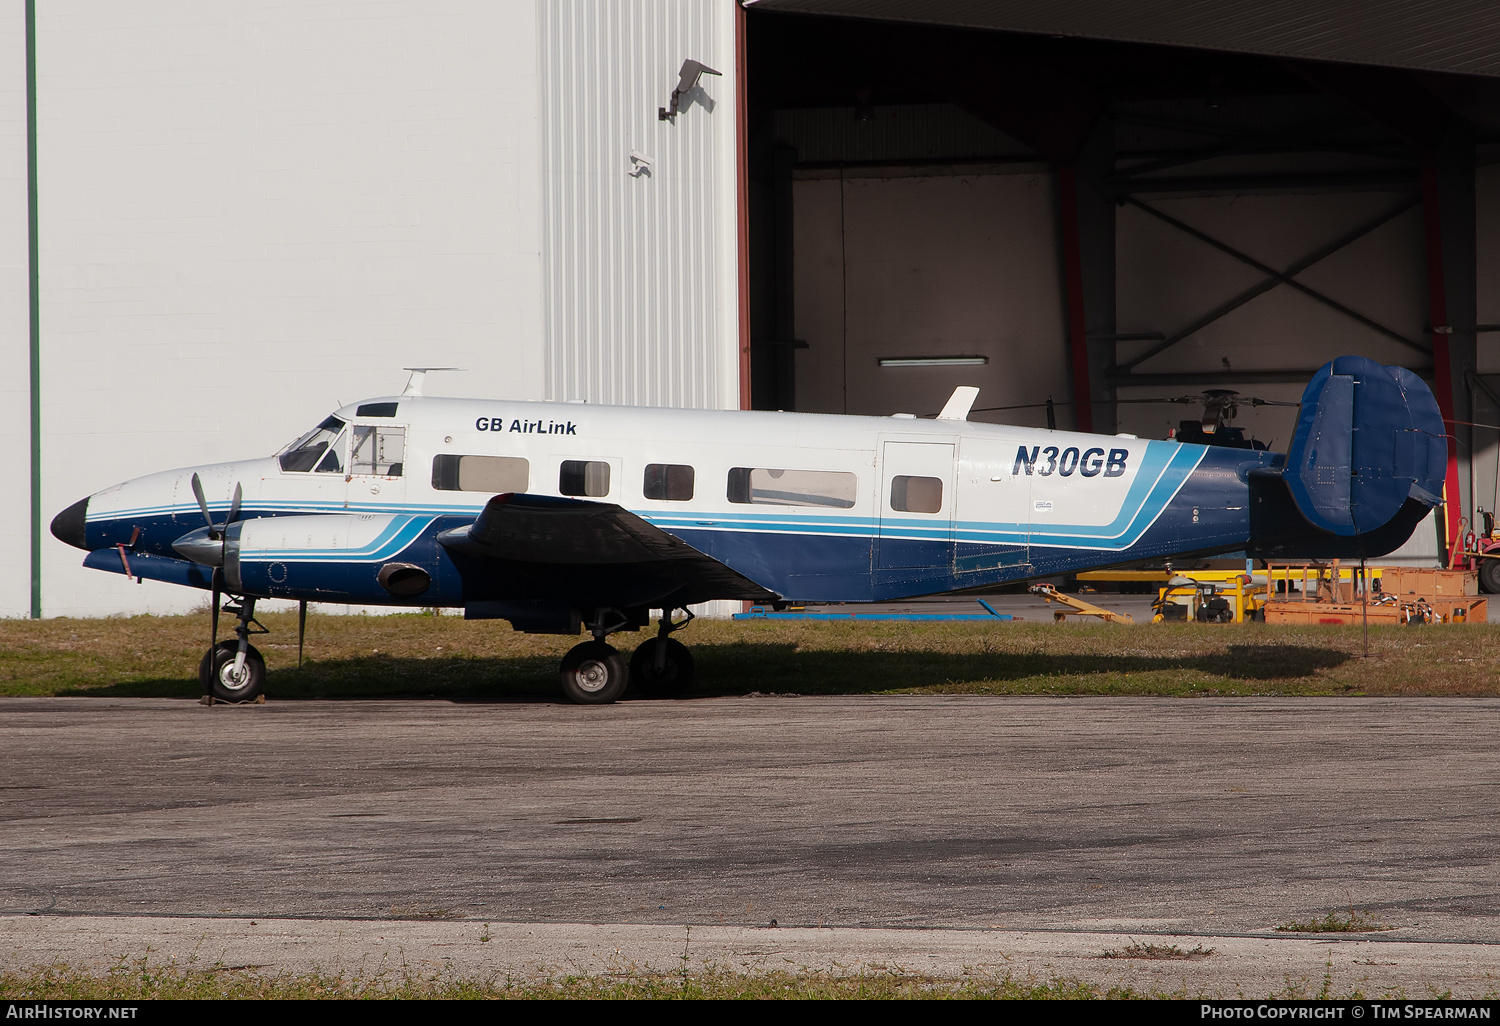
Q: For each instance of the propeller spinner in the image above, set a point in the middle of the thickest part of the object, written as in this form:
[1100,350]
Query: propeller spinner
[206,544]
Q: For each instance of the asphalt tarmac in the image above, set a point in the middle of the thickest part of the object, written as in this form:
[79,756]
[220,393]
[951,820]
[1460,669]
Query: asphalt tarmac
[1214,817]
[386,951]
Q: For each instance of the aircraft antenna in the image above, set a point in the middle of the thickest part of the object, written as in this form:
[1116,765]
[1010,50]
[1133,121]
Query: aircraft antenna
[960,403]
[418,375]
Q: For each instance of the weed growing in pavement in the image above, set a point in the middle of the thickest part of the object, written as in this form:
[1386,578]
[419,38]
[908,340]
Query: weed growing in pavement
[1338,922]
[1160,952]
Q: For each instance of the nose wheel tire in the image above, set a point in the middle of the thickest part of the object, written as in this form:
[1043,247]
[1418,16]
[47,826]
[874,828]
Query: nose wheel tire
[675,676]
[593,673]
[216,673]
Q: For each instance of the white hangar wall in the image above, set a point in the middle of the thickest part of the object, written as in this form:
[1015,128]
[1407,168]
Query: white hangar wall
[251,213]
[15,326]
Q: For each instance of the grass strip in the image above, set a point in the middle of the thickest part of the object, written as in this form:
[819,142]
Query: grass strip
[414,655]
[147,983]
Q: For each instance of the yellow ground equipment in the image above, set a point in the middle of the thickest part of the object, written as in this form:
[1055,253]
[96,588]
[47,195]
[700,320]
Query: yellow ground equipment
[1196,598]
[1076,606]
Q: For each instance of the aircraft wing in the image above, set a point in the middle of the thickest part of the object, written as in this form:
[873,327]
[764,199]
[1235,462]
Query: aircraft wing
[575,538]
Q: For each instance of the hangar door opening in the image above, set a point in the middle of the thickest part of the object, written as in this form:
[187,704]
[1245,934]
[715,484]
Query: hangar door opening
[1163,240]
[899,245]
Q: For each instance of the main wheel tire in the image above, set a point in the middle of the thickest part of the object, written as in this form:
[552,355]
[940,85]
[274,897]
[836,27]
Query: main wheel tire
[593,673]
[216,673]
[1489,575]
[676,675]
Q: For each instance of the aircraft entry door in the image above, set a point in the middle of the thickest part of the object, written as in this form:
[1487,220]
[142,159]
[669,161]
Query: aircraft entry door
[916,506]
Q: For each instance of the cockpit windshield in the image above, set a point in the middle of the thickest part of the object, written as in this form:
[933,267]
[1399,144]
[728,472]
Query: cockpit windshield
[302,455]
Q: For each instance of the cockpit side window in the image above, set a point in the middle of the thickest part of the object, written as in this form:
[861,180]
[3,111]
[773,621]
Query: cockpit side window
[378,451]
[303,454]
[330,464]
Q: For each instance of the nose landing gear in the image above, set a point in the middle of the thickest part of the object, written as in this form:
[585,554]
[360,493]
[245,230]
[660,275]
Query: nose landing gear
[228,677]
[233,671]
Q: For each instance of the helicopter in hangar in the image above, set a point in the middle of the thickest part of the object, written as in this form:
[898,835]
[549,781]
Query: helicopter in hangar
[562,518]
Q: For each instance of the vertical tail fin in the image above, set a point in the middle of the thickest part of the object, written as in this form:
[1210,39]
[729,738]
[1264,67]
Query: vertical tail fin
[1365,466]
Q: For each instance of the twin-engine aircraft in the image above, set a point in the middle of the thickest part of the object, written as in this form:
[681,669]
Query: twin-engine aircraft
[561,517]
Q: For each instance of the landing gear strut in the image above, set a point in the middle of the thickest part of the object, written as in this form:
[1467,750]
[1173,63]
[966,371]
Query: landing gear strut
[233,671]
[594,673]
[663,667]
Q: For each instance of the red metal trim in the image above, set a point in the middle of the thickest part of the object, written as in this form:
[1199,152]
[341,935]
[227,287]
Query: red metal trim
[1078,344]
[1442,367]
[742,194]
[125,562]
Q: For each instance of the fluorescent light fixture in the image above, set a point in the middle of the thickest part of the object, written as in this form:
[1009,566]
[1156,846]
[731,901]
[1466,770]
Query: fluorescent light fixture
[934,361]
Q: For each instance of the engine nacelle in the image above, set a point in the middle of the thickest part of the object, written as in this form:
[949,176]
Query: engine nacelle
[345,557]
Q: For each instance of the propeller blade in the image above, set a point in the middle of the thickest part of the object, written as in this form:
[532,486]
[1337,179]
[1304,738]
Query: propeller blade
[234,505]
[213,529]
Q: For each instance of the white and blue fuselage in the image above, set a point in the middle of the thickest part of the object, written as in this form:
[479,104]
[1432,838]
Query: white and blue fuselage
[809,507]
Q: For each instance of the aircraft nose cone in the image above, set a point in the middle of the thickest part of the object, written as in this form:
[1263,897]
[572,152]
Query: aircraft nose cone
[68,525]
[201,546]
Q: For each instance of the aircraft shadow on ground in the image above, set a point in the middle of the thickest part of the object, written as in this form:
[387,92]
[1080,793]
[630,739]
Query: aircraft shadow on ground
[743,668]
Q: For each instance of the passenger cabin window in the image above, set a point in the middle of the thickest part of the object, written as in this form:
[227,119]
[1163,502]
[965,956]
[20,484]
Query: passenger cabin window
[792,487]
[303,454]
[491,474]
[916,494]
[672,482]
[583,477]
[377,451]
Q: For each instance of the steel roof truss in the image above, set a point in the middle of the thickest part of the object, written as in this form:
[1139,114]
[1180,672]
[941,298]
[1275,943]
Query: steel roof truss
[1275,277]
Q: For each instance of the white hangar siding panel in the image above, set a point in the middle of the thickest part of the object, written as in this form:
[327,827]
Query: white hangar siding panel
[15,322]
[252,211]
[639,272]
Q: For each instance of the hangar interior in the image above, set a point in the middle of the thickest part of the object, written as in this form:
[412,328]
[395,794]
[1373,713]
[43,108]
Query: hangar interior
[1111,224]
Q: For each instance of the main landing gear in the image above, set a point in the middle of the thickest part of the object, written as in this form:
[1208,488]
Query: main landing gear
[594,673]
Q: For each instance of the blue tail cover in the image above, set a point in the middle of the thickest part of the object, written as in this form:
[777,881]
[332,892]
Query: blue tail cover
[1368,438]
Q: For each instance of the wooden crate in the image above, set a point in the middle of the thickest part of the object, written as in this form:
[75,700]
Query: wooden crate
[1429,584]
[1444,610]
[1333,613]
